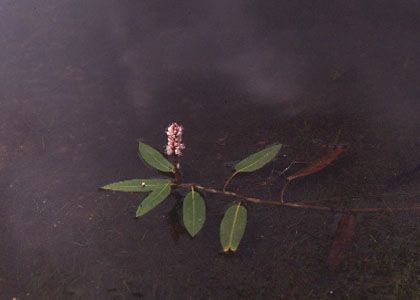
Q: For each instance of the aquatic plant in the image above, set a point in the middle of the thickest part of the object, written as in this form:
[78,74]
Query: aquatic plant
[233,224]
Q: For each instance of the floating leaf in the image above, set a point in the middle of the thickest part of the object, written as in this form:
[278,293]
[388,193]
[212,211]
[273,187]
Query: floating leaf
[320,163]
[258,160]
[136,185]
[344,236]
[232,227]
[153,199]
[155,159]
[194,212]
[255,161]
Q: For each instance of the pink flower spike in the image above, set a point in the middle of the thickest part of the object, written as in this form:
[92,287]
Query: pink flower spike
[174,145]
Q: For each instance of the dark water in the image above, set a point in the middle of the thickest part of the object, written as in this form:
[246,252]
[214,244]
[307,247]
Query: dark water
[82,81]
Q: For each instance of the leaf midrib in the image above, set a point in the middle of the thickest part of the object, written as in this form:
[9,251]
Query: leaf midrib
[136,185]
[165,166]
[193,213]
[156,193]
[163,188]
[233,227]
[255,162]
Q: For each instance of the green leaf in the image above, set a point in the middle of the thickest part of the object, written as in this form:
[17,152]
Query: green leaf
[194,212]
[153,199]
[155,159]
[136,185]
[232,227]
[258,160]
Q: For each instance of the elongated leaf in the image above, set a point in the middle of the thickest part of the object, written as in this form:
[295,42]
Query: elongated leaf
[155,159]
[153,199]
[136,185]
[258,160]
[194,212]
[232,227]
[319,164]
[344,236]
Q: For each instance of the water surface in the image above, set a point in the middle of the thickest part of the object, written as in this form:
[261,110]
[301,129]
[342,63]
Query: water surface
[81,82]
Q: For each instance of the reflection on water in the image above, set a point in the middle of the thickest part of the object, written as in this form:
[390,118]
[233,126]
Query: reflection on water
[81,82]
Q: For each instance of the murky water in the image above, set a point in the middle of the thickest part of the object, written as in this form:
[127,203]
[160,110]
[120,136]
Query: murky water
[82,81]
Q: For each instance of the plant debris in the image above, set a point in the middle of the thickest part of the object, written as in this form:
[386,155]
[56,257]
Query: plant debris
[320,163]
[344,236]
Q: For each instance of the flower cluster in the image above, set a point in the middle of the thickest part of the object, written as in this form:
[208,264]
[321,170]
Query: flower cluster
[175,145]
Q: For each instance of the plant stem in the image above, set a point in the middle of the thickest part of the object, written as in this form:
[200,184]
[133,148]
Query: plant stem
[228,180]
[283,190]
[297,205]
[178,174]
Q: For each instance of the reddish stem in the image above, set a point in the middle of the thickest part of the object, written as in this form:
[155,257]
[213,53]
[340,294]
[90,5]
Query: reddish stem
[298,205]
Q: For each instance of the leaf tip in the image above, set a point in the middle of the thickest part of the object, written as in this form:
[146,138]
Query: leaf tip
[105,187]
[192,234]
[139,213]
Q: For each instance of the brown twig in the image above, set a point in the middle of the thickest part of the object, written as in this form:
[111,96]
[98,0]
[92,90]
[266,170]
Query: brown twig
[283,190]
[297,205]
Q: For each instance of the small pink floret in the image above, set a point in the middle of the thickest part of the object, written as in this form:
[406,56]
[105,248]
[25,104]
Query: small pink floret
[174,145]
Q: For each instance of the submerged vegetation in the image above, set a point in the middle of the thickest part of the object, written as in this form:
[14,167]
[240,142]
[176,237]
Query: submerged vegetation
[233,224]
